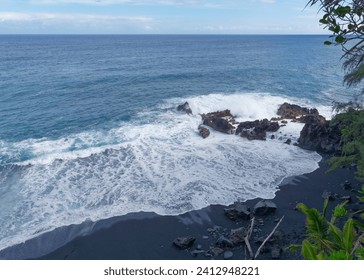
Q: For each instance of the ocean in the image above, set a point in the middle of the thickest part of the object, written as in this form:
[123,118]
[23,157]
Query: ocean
[89,128]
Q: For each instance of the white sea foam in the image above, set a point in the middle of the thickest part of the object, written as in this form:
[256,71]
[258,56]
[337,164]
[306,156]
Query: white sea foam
[162,166]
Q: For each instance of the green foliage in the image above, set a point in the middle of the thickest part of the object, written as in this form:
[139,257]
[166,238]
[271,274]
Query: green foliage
[351,125]
[345,20]
[361,192]
[326,241]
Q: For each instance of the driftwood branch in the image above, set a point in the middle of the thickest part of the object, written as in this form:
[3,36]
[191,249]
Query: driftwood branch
[247,237]
[268,237]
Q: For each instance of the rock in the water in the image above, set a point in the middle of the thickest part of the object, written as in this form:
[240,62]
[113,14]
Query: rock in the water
[256,130]
[228,255]
[312,118]
[264,207]
[220,121]
[292,111]
[184,242]
[185,108]
[288,141]
[237,211]
[204,132]
[320,136]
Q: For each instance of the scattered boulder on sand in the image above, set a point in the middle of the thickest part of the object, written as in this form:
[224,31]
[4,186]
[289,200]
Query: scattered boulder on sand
[237,235]
[228,255]
[224,242]
[185,108]
[184,242]
[237,211]
[264,207]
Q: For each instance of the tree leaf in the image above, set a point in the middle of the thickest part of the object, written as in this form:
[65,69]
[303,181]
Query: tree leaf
[336,234]
[324,209]
[348,235]
[351,26]
[328,43]
[309,252]
[339,39]
[339,255]
[341,11]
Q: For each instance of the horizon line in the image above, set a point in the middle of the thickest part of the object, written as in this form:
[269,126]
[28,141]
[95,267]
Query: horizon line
[162,34]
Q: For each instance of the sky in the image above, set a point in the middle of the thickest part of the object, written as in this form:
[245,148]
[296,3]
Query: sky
[158,17]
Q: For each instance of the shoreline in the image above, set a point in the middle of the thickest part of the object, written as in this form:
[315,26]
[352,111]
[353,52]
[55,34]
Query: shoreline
[148,236]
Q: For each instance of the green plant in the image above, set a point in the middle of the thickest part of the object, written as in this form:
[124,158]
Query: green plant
[351,124]
[325,240]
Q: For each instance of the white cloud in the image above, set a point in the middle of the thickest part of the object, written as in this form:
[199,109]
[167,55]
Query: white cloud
[4,16]
[73,23]
[137,2]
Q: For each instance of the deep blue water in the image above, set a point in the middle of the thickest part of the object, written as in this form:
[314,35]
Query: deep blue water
[89,130]
[54,85]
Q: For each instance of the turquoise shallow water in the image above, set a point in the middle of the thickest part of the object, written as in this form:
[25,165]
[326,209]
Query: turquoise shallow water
[89,130]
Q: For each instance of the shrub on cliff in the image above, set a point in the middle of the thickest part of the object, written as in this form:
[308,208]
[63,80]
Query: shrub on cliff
[351,124]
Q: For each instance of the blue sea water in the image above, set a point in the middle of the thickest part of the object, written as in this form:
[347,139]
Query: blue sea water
[89,129]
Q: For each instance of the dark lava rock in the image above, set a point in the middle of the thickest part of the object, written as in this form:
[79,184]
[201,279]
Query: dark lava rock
[184,242]
[275,252]
[237,211]
[223,242]
[348,185]
[253,135]
[204,132]
[311,118]
[237,235]
[276,237]
[185,108]
[321,136]
[329,195]
[220,121]
[264,207]
[197,252]
[292,111]
[256,130]
[215,251]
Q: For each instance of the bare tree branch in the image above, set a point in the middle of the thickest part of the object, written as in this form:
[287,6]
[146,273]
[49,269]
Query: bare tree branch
[268,237]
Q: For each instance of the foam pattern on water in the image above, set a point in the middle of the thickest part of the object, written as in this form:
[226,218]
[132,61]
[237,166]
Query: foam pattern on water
[160,165]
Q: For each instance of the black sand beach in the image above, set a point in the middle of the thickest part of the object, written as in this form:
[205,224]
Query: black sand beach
[147,236]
